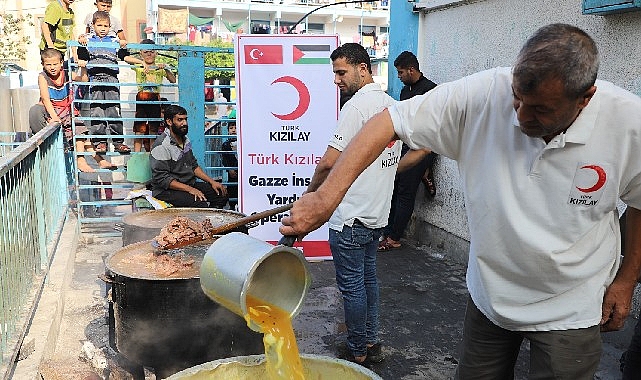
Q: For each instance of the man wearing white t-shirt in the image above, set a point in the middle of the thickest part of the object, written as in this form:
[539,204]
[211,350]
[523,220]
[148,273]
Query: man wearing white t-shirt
[356,225]
[544,260]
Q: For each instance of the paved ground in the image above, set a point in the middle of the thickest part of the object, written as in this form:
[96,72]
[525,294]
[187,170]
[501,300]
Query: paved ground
[423,298]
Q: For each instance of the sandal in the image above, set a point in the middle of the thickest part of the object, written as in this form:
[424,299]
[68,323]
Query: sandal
[375,353]
[430,187]
[387,245]
[100,148]
[122,148]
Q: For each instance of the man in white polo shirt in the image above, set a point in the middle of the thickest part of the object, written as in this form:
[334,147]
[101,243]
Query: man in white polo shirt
[544,259]
[355,227]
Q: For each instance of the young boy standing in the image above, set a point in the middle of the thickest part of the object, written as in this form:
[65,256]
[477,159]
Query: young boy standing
[115,28]
[107,96]
[149,77]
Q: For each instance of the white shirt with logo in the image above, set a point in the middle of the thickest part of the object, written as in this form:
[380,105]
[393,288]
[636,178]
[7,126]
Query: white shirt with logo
[369,197]
[543,221]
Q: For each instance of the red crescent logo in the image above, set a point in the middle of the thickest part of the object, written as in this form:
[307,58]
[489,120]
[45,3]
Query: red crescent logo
[303,98]
[600,181]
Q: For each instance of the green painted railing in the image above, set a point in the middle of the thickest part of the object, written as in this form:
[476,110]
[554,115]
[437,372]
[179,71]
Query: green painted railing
[33,206]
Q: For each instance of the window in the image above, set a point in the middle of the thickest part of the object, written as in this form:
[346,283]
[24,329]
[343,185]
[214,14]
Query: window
[367,29]
[260,27]
[604,7]
[313,28]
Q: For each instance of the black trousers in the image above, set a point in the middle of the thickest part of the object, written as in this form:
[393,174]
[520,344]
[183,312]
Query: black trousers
[183,199]
[632,357]
[405,187]
[632,365]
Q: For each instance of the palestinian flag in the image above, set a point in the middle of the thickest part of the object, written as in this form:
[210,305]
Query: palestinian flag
[311,54]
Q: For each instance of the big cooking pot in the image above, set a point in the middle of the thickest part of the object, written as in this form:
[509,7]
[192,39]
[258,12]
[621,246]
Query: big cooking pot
[146,225]
[164,320]
[253,367]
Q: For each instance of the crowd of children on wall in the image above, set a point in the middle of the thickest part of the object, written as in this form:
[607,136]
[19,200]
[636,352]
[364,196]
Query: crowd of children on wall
[97,65]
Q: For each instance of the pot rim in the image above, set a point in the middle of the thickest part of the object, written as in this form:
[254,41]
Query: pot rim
[258,359]
[130,219]
[147,243]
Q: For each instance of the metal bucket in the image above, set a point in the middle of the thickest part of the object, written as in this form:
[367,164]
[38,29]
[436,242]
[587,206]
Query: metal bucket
[253,367]
[146,225]
[237,266]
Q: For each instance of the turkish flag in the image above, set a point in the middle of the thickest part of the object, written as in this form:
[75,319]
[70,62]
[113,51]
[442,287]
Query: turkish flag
[264,54]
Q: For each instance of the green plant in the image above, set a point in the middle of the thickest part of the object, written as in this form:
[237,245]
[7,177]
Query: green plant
[12,40]
[219,59]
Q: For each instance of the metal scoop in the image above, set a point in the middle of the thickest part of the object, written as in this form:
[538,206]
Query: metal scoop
[224,228]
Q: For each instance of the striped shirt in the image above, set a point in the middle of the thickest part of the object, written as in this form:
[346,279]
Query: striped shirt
[61,96]
[102,56]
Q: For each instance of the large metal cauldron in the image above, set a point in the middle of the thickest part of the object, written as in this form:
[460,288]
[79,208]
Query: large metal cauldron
[254,367]
[166,321]
[145,225]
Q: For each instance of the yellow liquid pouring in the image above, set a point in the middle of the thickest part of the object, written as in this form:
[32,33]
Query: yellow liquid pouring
[281,350]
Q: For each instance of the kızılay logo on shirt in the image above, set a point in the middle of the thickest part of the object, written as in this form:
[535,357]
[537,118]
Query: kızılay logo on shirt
[588,185]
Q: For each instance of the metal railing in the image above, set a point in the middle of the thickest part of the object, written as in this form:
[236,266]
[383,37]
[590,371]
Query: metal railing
[7,142]
[189,61]
[33,207]
[38,179]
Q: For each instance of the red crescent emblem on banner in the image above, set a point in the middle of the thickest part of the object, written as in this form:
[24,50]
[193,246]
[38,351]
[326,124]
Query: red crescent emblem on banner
[303,98]
[600,180]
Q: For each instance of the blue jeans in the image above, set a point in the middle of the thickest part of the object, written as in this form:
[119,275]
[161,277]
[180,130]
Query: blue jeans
[354,252]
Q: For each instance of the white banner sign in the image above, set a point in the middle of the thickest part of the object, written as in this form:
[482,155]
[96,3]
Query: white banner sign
[287,113]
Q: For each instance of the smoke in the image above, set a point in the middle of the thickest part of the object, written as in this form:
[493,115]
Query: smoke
[172,325]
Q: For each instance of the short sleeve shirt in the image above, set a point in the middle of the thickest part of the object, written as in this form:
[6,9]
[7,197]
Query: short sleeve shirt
[63,22]
[151,80]
[542,216]
[369,197]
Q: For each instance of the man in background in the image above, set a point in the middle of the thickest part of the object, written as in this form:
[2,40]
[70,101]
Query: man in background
[406,182]
[175,171]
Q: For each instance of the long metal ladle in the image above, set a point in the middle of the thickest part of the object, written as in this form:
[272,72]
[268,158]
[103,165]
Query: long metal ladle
[224,228]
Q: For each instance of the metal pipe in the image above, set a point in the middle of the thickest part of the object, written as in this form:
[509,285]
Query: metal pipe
[291,28]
